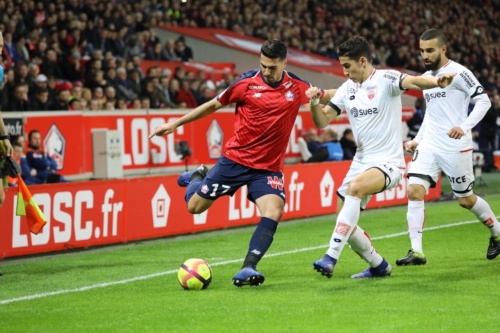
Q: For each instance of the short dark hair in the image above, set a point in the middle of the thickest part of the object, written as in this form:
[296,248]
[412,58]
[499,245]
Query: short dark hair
[434,33]
[31,133]
[274,48]
[355,48]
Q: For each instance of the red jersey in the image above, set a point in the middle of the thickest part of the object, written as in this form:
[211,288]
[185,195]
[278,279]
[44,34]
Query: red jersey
[265,115]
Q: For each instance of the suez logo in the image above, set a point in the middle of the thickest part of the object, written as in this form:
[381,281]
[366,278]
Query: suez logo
[68,218]
[429,97]
[363,112]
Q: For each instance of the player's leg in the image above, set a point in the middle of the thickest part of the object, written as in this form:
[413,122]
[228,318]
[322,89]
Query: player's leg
[193,181]
[374,180]
[268,193]
[423,174]
[356,189]
[462,182]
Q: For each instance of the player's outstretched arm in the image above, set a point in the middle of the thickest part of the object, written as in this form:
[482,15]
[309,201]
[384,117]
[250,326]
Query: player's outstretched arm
[321,117]
[327,96]
[427,82]
[198,113]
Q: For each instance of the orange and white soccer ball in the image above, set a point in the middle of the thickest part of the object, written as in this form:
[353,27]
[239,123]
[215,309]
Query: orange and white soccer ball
[195,274]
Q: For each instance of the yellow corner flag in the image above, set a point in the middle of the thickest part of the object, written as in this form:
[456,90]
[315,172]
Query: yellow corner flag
[26,206]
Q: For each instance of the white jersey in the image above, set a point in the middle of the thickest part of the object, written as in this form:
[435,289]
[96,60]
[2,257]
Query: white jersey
[375,112]
[447,108]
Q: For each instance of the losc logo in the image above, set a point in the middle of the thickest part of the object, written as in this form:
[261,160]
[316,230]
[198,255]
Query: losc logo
[55,145]
[160,206]
[214,140]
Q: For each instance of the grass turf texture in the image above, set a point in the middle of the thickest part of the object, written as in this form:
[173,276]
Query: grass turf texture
[455,292]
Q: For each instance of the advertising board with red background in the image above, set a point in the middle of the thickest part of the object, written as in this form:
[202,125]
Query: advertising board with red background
[85,214]
[67,137]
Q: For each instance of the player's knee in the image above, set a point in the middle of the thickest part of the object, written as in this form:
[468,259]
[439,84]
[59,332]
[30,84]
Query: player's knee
[195,207]
[355,189]
[416,192]
[467,202]
[274,213]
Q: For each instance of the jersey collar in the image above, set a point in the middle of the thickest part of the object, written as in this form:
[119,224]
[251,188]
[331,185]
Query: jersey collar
[275,84]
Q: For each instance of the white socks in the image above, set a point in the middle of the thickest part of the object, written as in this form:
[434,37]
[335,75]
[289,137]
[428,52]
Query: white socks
[484,213]
[416,219]
[361,244]
[346,221]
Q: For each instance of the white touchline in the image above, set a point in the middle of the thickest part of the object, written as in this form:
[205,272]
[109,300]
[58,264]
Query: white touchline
[145,277]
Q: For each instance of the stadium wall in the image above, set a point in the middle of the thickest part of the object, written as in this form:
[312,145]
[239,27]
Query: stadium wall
[93,213]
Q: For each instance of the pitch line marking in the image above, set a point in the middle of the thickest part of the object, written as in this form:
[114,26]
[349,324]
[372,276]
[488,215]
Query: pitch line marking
[150,276]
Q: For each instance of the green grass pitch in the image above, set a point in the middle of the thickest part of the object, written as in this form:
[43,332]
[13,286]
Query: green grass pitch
[134,288]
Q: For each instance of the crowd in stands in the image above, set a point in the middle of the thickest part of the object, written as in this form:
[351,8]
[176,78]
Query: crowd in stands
[85,55]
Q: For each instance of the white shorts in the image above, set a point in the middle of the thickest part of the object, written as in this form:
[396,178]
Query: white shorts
[393,175]
[426,165]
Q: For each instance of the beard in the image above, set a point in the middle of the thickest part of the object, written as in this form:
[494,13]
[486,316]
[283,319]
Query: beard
[433,65]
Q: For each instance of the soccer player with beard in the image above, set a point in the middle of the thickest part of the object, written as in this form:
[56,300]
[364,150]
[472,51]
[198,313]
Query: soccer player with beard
[372,99]
[444,143]
[267,103]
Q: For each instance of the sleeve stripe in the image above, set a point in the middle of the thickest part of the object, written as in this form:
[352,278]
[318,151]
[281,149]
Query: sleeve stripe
[335,107]
[401,78]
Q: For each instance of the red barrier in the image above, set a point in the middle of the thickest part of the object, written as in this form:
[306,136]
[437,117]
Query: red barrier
[68,137]
[85,214]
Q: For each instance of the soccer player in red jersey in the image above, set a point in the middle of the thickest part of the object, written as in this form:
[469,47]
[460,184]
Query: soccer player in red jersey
[267,102]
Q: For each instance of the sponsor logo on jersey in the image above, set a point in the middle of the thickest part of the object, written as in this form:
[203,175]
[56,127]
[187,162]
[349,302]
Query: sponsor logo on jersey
[372,91]
[204,189]
[363,112]
[289,96]
[275,182]
[391,75]
[257,87]
[288,84]
[429,97]
[469,81]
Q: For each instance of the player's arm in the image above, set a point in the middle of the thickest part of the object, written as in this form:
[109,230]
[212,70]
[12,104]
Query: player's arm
[426,82]
[321,117]
[481,106]
[198,113]
[327,96]
[5,138]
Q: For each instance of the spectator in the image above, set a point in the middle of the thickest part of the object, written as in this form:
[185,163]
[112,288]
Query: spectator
[185,95]
[182,51]
[156,52]
[348,144]
[19,102]
[170,51]
[39,161]
[50,67]
[149,92]
[312,139]
[41,100]
[94,105]
[62,101]
[123,85]
[415,122]
[164,94]
[330,150]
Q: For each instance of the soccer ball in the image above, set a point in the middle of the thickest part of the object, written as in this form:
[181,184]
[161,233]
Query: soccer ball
[195,274]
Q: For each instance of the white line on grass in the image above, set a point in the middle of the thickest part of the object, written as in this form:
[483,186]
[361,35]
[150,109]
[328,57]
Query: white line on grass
[150,276]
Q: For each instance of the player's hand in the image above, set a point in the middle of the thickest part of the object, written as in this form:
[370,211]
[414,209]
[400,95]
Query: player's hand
[446,79]
[313,93]
[8,147]
[456,133]
[163,130]
[410,146]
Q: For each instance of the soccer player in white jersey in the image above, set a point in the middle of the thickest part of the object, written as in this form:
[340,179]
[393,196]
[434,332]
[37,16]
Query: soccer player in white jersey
[444,143]
[372,100]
